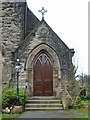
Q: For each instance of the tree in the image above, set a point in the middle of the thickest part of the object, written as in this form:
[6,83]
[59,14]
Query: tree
[83,79]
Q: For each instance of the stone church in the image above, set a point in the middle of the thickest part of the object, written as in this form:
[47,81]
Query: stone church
[46,61]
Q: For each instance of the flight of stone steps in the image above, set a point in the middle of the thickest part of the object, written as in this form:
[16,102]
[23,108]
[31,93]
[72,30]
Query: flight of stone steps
[43,103]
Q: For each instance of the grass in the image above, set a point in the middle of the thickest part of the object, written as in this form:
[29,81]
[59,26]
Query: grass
[8,116]
[0,116]
[86,115]
[83,110]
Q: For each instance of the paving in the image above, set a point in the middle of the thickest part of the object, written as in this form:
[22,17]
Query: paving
[50,114]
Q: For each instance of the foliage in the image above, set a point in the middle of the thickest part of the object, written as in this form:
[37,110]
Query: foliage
[85,103]
[79,105]
[9,97]
[73,99]
[88,95]
[72,91]
[82,103]
[84,97]
[83,79]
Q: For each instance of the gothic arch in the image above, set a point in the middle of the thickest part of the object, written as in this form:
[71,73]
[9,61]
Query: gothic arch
[56,66]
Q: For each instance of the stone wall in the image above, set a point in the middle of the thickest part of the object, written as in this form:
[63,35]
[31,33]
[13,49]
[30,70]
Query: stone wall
[12,33]
[1,59]
[37,41]
[0,80]
[63,52]
[0,73]
[17,22]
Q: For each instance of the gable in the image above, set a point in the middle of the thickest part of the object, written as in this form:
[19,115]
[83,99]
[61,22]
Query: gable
[35,33]
[43,34]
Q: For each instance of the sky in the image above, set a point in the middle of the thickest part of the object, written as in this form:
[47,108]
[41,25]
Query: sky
[69,20]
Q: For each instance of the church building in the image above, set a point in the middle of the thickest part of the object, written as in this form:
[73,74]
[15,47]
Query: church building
[46,61]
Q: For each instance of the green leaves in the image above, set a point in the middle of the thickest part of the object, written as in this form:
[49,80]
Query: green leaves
[9,97]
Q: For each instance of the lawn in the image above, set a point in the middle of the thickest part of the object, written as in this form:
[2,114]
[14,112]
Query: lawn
[86,115]
[8,116]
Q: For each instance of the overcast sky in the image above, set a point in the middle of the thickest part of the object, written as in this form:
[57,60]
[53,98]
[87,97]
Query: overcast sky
[69,19]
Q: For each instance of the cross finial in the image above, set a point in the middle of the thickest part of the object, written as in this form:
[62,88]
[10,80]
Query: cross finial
[42,11]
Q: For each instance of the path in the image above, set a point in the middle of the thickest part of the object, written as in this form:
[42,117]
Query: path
[50,114]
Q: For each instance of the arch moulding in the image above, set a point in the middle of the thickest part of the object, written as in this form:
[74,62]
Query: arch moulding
[56,68]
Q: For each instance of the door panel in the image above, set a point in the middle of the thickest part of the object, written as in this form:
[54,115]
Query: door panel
[43,83]
[47,75]
[37,78]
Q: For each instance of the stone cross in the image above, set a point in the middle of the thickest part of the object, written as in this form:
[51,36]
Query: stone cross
[43,12]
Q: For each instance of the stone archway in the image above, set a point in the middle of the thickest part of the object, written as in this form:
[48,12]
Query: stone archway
[56,67]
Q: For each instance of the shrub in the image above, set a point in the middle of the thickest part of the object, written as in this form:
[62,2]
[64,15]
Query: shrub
[9,97]
[83,103]
[77,106]
[84,97]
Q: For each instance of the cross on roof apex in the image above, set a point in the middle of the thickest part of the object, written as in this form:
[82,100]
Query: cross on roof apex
[43,12]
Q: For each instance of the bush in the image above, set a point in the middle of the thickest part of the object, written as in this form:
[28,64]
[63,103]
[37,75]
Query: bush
[9,97]
[84,97]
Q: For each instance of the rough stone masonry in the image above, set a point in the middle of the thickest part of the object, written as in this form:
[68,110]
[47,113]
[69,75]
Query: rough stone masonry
[23,36]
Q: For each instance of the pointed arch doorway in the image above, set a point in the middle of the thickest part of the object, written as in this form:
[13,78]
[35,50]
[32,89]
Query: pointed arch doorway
[43,75]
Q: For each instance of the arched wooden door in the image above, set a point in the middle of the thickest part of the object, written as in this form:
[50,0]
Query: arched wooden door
[43,76]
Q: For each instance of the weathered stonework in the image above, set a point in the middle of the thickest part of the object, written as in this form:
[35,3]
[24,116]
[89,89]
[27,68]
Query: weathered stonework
[56,67]
[10,37]
[57,50]
[1,59]
[14,30]
[23,37]
[0,73]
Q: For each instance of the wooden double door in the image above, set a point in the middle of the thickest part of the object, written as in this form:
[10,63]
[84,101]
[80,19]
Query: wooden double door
[43,75]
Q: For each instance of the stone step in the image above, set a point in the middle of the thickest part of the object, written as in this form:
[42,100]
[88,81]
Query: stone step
[43,105]
[43,98]
[43,101]
[44,108]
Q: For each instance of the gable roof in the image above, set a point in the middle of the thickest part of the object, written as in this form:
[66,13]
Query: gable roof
[32,21]
[32,34]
